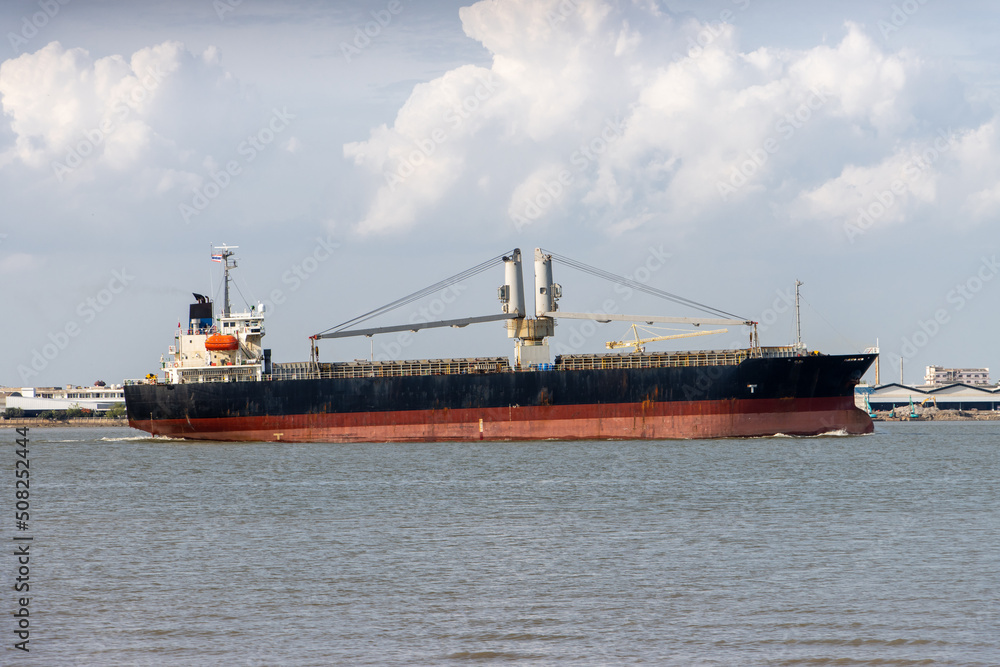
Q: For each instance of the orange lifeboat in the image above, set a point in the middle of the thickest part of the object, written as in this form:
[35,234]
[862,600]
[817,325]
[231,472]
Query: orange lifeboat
[221,343]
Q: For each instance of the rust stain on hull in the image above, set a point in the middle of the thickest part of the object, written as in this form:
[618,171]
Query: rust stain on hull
[643,421]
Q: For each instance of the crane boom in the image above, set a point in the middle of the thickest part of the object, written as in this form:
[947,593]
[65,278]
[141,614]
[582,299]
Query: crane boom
[639,342]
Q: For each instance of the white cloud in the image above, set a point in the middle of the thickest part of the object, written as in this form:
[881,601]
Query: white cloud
[77,116]
[976,176]
[950,178]
[689,102]
[703,125]
[889,188]
[865,83]
[424,153]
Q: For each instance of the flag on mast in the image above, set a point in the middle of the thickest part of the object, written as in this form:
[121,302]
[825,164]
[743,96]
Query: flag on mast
[217,258]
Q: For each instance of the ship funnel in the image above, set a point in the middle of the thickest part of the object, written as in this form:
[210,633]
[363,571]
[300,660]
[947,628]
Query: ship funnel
[547,293]
[512,291]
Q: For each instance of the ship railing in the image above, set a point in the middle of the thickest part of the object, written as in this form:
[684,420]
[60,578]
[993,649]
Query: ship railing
[368,369]
[248,373]
[580,362]
[780,351]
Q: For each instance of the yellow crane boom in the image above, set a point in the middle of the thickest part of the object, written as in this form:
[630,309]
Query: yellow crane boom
[637,342]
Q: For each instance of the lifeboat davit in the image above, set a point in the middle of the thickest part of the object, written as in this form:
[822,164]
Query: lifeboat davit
[221,343]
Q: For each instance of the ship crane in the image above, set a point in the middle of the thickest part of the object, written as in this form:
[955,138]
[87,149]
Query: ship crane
[638,343]
[531,333]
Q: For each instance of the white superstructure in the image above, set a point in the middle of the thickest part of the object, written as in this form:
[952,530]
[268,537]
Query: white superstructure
[227,348]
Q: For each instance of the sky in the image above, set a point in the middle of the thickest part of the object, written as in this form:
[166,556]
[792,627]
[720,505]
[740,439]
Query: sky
[358,151]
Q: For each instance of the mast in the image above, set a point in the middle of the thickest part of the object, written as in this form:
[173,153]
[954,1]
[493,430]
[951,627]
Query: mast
[876,363]
[226,251]
[798,319]
[875,351]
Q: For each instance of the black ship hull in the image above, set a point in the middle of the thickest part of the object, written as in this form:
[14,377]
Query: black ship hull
[804,395]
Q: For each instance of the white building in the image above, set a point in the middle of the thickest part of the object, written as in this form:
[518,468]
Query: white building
[35,400]
[975,376]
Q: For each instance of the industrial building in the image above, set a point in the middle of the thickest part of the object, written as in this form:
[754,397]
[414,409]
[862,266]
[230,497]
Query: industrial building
[955,396]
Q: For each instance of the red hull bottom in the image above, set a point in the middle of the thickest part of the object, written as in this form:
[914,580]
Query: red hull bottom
[646,421]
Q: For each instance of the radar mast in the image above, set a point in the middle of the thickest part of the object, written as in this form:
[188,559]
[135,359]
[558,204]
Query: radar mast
[224,252]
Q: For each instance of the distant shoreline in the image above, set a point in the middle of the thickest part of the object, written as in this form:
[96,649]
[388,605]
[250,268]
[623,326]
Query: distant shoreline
[34,422]
[939,416]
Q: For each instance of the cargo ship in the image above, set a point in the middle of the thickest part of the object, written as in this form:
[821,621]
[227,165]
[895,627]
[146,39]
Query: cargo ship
[218,382]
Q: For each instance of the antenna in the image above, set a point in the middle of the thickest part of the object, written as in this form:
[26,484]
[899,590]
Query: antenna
[211,280]
[226,253]
[798,319]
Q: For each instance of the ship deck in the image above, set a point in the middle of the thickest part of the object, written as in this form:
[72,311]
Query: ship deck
[489,365]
